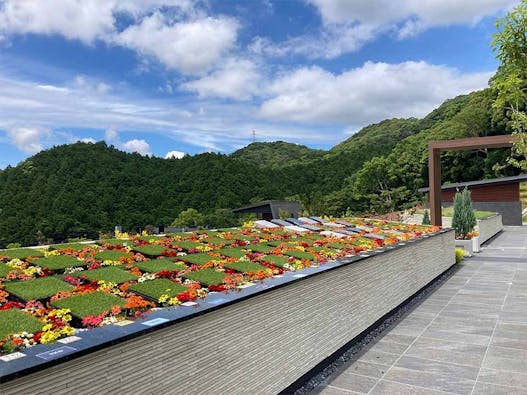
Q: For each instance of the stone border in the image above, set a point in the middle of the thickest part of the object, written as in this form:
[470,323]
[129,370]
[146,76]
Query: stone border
[489,227]
[262,339]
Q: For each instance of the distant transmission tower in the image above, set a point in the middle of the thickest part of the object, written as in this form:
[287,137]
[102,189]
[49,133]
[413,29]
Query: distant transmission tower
[254,136]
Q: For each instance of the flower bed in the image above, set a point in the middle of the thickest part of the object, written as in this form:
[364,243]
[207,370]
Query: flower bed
[119,279]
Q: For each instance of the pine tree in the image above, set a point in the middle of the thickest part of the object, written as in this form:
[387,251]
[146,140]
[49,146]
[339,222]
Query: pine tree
[464,218]
[426,218]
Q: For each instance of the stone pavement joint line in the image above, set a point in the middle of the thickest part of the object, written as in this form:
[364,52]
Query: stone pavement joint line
[467,337]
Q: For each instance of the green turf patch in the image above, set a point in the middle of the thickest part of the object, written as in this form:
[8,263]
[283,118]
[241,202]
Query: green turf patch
[21,253]
[159,265]
[260,248]
[300,254]
[276,260]
[232,252]
[276,243]
[246,267]
[217,240]
[111,255]
[58,262]
[151,238]
[151,250]
[245,237]
[116,242]
[110,274]
[206,276]
[339,246]
[4,270]
[187,245]
[197,259]
[93,303]
[15,321]
[72,246]
[39,288]
[158,287]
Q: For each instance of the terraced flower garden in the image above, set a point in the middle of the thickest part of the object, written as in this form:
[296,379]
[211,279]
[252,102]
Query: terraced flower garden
[48,294]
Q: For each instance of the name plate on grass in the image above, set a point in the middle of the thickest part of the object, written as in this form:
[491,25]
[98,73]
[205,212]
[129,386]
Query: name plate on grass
[56,353]
[189,304]
[69,339]
[12,356]
[247,285]
[155,321]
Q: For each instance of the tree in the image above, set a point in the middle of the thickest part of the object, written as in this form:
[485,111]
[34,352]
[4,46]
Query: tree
[464,218]
[426,218]
[189,218]
[510,82]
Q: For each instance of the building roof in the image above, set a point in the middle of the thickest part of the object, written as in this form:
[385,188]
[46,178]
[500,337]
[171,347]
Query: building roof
[265,203]
[490,181]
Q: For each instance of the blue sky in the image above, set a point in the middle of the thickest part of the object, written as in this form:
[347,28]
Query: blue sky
[172,77]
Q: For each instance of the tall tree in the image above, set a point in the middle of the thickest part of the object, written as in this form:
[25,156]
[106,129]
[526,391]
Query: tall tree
[510,82]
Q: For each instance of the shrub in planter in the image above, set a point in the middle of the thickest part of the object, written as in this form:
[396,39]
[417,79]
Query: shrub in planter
[464,218]
[426,218]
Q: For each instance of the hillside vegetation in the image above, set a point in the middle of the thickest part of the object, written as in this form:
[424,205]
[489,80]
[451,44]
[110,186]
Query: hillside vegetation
[81,189]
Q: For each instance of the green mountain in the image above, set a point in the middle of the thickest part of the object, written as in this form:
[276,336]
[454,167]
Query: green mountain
[277,154]
[80,189]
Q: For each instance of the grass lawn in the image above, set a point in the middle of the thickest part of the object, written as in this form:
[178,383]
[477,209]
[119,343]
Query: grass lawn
[232,252]
[4,270]
[206,276]
[89,304]
[217,240]
[159,265]
[339,246]
[116,242]
[187,245]
[21,253]
[111,255]
[16,321]
[151,250]
[58,262]
[197,259]
[276,260]
[155,288]
[73,246]
[110,274]
[300,255]
[263,248]
[449,212]
[39,288]
[246,267]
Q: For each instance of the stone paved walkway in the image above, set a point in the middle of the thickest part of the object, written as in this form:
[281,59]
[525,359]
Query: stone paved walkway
[468,337]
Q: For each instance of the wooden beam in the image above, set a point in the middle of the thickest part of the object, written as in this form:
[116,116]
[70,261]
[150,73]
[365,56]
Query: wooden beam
[434,164]
[500,141]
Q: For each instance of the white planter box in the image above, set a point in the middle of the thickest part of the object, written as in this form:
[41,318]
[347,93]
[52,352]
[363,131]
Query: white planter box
[467,245]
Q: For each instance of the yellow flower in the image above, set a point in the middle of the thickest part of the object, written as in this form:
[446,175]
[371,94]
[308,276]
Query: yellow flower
[51,253]
[163,298]
[47,327]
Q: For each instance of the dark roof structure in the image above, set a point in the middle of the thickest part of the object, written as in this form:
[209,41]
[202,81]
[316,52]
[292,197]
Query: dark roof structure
[270,208]
[490,181]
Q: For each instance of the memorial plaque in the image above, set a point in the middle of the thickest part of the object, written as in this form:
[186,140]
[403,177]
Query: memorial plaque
[12,356]
[155,321]
[56,353]
[124,323]
[189,304]
[69,339]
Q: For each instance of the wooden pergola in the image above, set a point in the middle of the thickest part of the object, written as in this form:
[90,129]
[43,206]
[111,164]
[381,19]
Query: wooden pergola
[434,163]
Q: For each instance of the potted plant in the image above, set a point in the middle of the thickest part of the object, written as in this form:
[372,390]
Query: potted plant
[464,221]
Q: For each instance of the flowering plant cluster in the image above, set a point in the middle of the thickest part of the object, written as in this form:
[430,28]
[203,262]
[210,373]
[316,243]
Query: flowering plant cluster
[52,293]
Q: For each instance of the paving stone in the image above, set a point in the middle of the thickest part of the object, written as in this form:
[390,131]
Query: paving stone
[502,377]
[389,347]
[368,369]
[493,389]
[379,357]
[501,358]
[447,351]
[385,387]
[354,382]
[330,390]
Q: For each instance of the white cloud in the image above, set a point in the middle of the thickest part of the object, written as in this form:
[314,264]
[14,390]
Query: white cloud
[27,139]
[367,94]
[136,145]
[191,47]
[174,155]
[111,135]
[88,140]
[187,41]
[347,25]
[236,79]
[85,20]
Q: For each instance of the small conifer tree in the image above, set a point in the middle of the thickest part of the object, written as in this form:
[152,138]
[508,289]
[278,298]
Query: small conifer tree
[426,218]
[464,218]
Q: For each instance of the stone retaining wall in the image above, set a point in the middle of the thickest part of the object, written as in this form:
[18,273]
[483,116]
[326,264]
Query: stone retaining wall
[489,227]
[261,344]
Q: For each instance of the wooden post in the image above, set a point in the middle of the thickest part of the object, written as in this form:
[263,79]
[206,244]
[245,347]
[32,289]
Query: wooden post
[434,182]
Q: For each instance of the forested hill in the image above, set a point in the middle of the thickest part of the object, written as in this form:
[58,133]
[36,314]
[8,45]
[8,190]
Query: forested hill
[79,189]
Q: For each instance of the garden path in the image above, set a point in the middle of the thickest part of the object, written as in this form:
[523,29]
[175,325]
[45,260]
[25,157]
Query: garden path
[467,337]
